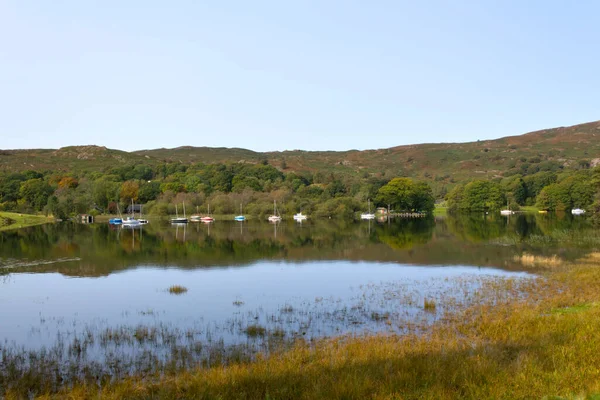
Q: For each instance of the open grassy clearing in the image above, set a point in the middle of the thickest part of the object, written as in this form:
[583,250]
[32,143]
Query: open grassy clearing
[542,342]
[10,220]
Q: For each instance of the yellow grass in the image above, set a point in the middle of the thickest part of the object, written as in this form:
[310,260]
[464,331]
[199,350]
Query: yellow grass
[543,343]
[530,260]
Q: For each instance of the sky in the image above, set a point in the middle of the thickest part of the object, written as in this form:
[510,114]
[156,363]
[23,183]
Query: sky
[284,75]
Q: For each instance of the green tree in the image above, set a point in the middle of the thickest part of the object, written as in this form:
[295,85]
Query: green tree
[403,194]
[35,192]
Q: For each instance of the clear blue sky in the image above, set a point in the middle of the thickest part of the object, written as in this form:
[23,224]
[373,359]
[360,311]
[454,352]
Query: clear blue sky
[275,75]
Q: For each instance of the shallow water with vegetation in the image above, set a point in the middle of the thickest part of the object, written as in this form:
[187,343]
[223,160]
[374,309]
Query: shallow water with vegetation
[93,302]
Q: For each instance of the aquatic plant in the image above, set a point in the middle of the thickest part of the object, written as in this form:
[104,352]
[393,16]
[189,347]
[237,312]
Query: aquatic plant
[177,289]
[255,330]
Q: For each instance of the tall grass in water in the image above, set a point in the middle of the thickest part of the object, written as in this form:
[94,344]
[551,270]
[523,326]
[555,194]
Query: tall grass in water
[514,348]
[177,289]
[542,342]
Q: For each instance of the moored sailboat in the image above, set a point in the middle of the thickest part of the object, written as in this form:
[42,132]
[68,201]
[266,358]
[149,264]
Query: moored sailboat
[178,219]
[131,221]
[275,217]
[207,218]
[368,215]
[241,216]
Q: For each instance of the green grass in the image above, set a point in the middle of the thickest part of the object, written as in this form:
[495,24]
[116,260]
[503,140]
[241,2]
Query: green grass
[529,209]
[9,220]
[440,211]
[572,309]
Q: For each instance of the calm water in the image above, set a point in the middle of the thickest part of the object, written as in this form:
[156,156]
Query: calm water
[252,282]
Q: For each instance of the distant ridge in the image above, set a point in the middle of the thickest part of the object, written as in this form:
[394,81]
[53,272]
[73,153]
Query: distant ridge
[440,161]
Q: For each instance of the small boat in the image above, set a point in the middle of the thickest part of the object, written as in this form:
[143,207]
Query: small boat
[300,217]
[543,211]
[178,219]
[275,217]
[207,218]
[368,215]
[116,221]
[196,217]
[142,220]
[577,211]
[131,221]
[508,211]
[240,217]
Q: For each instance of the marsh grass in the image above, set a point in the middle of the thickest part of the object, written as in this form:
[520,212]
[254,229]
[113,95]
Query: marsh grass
[177,289]
[520,340]
[514,339]
[429,304]
[255,331]
[531,260]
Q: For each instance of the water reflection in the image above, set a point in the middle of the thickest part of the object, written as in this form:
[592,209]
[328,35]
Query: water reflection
[481,240]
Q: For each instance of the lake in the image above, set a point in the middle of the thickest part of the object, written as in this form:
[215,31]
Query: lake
[95,299]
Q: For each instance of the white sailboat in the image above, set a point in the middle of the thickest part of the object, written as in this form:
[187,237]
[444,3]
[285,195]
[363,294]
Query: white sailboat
[178,219]
[196,217]
[368,215]
[300,217]
[577,211]
[130,222]
[275,217]
[508,211]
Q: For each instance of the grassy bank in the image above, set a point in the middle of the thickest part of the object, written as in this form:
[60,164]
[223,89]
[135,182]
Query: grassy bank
[10,220]
[519,341]
[440,211]
[529,209]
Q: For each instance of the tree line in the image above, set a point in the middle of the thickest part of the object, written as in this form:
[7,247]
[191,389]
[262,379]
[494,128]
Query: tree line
[225,187]
[545,190]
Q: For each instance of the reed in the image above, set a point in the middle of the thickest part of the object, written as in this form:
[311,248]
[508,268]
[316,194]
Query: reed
[177,289]
[531,260]
[255,331]
[429,304]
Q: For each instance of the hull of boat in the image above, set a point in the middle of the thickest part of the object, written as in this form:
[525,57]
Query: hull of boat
[367,216]
[179,220]
[239,218]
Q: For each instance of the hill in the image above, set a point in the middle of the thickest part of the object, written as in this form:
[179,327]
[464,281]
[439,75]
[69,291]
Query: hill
[443,162]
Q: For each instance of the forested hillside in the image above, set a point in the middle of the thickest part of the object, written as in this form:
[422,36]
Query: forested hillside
[554,169]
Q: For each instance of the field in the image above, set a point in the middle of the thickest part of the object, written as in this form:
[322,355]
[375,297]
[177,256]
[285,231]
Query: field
[524,339]
[15,220]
